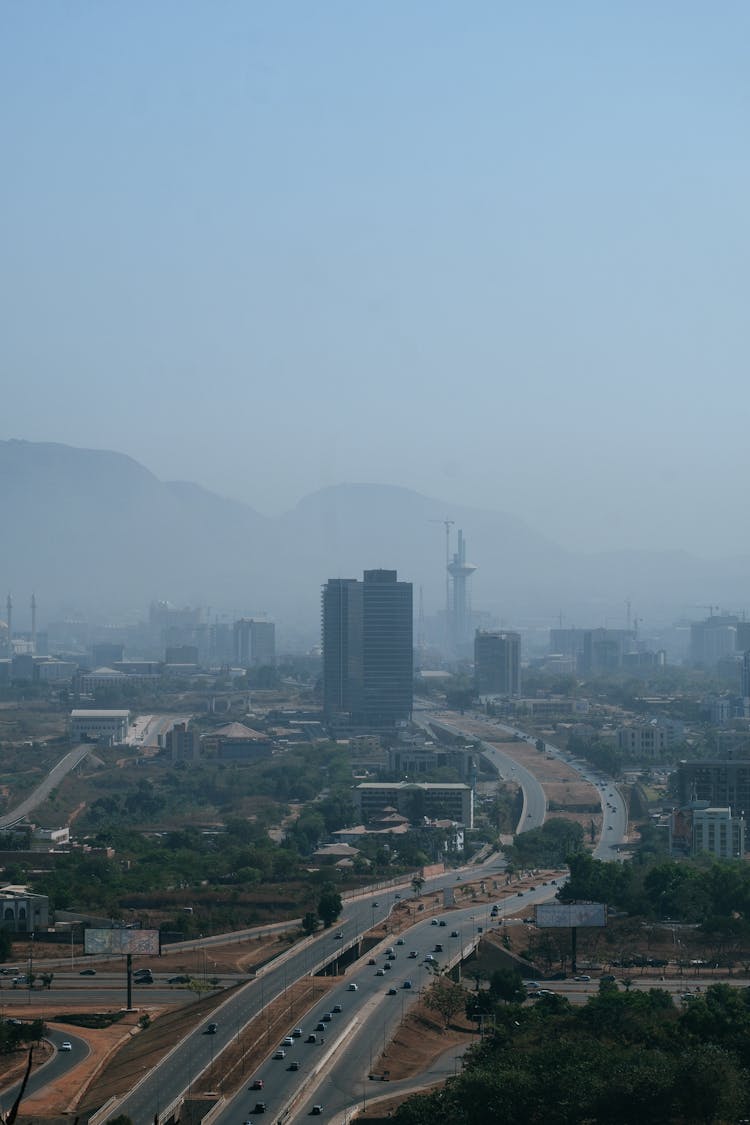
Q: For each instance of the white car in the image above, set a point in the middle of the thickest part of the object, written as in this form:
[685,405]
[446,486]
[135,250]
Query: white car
[351,987]
[66,1046]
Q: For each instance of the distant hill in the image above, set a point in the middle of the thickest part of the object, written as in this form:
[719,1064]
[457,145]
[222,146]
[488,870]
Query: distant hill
[94,531]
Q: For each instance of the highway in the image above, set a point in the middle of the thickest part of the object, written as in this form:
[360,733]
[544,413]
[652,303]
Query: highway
[336,1073]
[176,1074]
[69,762]
[60,1063]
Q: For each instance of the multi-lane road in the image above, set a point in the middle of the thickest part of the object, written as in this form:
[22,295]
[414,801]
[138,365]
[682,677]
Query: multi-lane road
[328,1074]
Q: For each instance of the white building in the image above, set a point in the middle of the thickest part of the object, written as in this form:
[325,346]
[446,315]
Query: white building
[107,727]
[719,833]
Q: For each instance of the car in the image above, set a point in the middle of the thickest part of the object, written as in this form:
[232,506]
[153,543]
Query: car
[520,894]
[293,1065]
[387,966]
[609,828]
[434,922]
[397,896]
[320,1026]
[257,1084]
[532,984]
[429,958]
[442,922]
[372,961]
[66,1045]
[327,1017]
[297,1033]
[582,977]
[438,947]
[376,903]
[393,992]
[414,954]
[480,929]
[380,973]
[455,933]
[406,984]
[259,1107]
[351,987]
[280,1054]
[181,978]
[339,936]
[311,1038]
[316,1110]
[400,941]
[287,1041]
[391,956]
[336,1009]
[608,977]
[87,973]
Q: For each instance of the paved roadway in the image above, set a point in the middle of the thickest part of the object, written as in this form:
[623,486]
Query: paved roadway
[51,781]
[335,1073]
[189,1058]
[60,1063]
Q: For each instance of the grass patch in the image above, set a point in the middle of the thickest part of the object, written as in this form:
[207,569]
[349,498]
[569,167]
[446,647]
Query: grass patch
[91,1019]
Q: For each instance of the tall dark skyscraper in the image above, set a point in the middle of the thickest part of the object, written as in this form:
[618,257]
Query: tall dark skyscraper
[368,648]
[497,663]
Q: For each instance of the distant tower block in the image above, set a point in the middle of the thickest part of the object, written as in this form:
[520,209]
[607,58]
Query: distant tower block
[460,571]
[33,622]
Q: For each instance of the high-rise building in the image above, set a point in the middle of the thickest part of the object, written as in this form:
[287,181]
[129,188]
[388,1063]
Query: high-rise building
[368,648]
[497,663]
[254,643]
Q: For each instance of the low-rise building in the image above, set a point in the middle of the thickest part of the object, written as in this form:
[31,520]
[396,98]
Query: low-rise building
[23,912]
[416,800]
[107,727]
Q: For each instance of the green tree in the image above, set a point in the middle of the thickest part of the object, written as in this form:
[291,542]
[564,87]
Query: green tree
[446,998]
[329,905]
[310,922]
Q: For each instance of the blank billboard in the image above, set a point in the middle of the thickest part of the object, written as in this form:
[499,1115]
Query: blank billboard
[121,941]
[563,915]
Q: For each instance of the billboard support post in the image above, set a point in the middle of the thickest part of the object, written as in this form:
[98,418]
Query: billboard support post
[130,981]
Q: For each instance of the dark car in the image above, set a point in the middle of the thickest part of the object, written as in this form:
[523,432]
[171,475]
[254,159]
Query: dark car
[293,1065]
[260,1107]
[311,1039]
[320,1026]
[393,992]
[181,978]
[87,973]
[257,1084]
[212,1029]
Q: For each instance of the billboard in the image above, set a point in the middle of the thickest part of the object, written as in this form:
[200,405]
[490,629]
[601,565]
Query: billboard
[563,915]
[121,941]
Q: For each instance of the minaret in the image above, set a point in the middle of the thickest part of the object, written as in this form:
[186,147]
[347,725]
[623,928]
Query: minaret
[33,622]
[9,619]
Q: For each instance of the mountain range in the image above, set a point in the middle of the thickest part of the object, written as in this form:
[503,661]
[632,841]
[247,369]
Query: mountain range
[94,532]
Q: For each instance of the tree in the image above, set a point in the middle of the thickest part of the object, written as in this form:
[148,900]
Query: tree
[310,922]
[507,985]
[416,885]
[329,905]
[446,998]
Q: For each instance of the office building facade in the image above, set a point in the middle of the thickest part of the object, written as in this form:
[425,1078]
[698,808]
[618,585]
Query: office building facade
[368,643]
[254,643]
[497,663]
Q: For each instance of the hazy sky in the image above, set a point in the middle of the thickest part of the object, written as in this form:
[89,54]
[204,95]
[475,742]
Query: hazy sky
[497,252]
